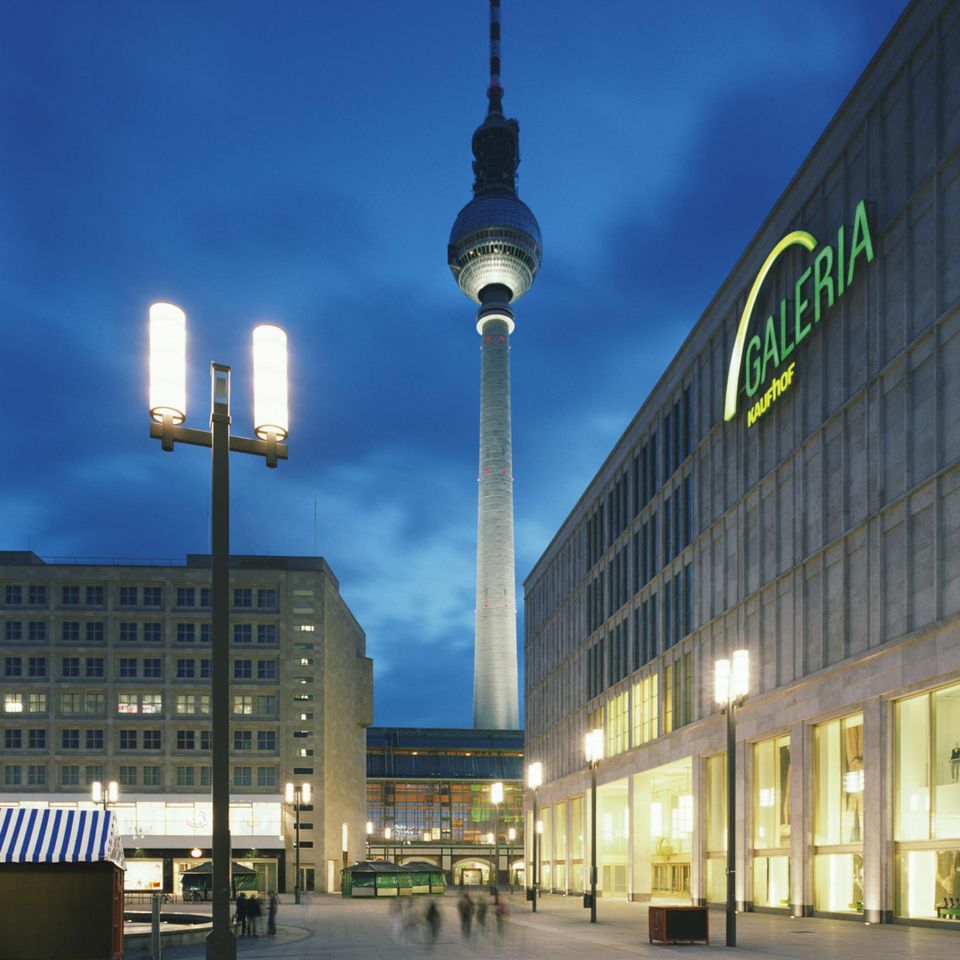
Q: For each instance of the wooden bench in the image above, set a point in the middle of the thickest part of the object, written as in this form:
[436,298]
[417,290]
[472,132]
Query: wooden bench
[670,924]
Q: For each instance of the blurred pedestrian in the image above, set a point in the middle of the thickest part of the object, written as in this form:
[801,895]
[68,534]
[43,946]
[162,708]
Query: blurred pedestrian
[465,906]
[272,914]
[241,915]
[433,920]
[501,912]
[482,914]
[254,911]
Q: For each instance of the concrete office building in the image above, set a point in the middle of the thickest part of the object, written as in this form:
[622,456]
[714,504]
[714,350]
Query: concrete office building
[791,486]
[428,798]
[106,676]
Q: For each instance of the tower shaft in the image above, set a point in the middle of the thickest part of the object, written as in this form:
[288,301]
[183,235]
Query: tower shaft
[495,697]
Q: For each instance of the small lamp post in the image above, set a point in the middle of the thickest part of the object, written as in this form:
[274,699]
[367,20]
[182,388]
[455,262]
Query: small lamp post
[369,835]
[387,835]
[593,749]
[511,839]
[496,798]
[534,779]
[297,794]
[168,405]
[345,842]
[731,683]
[104,793]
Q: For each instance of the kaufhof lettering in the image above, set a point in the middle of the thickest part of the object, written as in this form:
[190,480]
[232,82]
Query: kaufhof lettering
[815,291]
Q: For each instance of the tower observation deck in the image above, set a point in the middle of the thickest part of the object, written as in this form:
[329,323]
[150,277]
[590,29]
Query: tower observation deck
[494,253]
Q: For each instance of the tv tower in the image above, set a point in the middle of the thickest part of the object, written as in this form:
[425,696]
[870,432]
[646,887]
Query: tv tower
[494,252]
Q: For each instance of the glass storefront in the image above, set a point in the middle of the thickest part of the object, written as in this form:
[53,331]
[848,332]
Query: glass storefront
[771,822]
[927,804]
[560,854]
[716,775]
[612,833]
[145,875]
[838,816]
[546,849]
[663,820]
[577,875]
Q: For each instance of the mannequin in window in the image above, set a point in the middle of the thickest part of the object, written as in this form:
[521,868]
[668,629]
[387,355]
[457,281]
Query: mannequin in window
[955,762]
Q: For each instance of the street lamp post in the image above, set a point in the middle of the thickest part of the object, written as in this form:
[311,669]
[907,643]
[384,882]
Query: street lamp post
[511,839]
[104,793]
[369,834]
[496,798]
[534,779]
[167,412]
[731,683]
[387,834]
[297,794]
[593,748]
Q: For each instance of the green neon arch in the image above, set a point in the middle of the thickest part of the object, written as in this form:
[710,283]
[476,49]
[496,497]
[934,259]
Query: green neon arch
[800,237]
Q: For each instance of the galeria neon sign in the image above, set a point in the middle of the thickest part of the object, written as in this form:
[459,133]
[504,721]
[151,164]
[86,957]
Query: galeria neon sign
[833,272]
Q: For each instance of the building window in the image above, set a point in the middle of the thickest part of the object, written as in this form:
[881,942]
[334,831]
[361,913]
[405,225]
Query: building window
[186,668]
[94,596]
[93,631]
[37,739]
[243,705]
[13,594]
[206,739]
[151,703]
[242,776]
[93,667]
[206,668]
[128,740]
[267,777]
[13,703]
[267,599]
[70,595]
[645,710]
[152,668]
[128,596]
[206,776]
[204,596]
[771,822]
[12,667]
[204,632]
[242,740]
[128,632]
[242,633]
[36,703]
[12,739]
[266,740]
[186,632]
[185,777]
[70,631]
[13,631]
[93,740]
[266,633]
[153,776]
[70,776]
[69,739]
[152,597]
[127,667]
[152,632]
[127,775]
[37,667]
[37,630]
[69,666]
[267,706]
[243,597]
[266,669]
[186,740]
[186,597]
[617,734]
[37,595]
[151,739]
[36,775]
[242,669]
[11,776]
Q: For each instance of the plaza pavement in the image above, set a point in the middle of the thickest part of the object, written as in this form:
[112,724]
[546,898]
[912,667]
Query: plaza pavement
[331,928]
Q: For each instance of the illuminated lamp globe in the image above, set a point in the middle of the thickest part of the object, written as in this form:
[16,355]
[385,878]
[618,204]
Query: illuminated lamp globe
[495,240]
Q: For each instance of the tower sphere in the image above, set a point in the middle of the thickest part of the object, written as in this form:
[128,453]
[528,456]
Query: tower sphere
[495,239]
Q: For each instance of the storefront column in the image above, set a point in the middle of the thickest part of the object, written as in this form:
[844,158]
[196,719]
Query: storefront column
[698,839]
[877,784]
[801,819]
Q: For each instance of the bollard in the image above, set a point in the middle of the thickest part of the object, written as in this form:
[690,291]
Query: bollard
[155,927]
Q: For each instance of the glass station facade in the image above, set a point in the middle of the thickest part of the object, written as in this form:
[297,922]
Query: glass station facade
[790,487]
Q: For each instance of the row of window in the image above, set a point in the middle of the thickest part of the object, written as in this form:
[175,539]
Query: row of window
[134,739]
[73,595]
[130,775]
[94,632]
[93,703]
[93,668]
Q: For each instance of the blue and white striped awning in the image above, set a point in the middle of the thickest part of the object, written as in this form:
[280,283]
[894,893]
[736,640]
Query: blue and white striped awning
[36,835]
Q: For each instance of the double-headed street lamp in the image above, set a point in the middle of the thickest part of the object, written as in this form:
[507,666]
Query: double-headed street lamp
[731,683]
[496,798]
[593,749]
[168,407]
[104,793]
[534,779]
[297,794]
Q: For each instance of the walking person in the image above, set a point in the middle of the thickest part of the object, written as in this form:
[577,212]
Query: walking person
[465,906]
[433,921]
[254,911]
[481,914]
[272,914]
[500,910]
[242,908]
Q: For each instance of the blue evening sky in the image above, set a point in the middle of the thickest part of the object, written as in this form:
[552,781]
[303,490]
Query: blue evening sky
[302,163]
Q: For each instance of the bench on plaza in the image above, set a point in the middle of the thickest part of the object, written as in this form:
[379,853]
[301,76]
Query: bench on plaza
[670,924]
